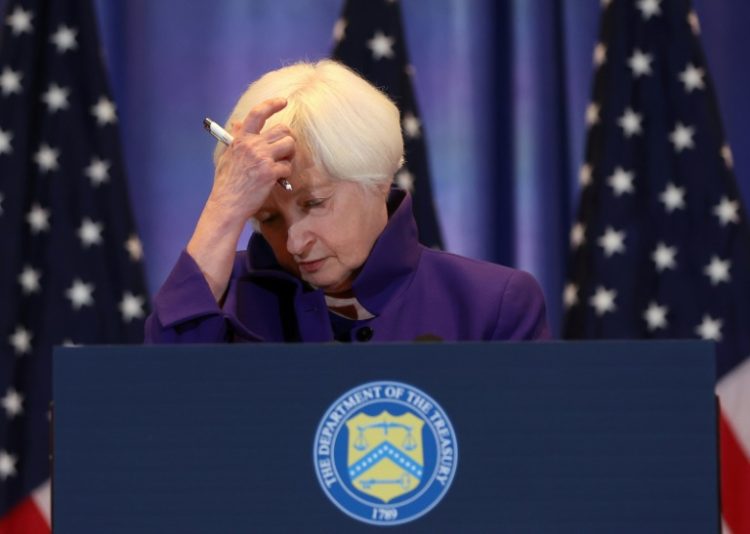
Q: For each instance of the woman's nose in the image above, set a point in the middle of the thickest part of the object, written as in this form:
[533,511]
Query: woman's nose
[298,239]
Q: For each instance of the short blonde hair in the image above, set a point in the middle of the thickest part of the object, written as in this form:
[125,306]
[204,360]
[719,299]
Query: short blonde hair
[351,128]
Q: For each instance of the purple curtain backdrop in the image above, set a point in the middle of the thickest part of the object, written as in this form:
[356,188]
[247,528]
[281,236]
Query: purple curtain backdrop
[502,85]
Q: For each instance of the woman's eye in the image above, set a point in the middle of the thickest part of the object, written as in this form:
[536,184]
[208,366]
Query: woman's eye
[314,203]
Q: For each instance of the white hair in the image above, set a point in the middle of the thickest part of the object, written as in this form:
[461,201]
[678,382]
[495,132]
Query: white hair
[351,128]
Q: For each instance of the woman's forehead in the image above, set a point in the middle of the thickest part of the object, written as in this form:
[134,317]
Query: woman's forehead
[311,181]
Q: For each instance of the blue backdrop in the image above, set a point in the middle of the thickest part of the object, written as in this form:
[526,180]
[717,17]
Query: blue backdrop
[503,89]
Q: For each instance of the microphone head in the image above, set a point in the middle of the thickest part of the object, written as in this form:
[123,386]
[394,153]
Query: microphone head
[428,338]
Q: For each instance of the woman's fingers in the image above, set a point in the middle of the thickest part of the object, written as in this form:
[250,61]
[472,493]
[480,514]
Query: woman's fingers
[282,169]
[276,132]
[276,143]
[257,117]
[252,164]
[284,148]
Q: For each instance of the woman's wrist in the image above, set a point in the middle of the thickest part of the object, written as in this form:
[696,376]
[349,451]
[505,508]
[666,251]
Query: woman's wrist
[224,216]
[213,245]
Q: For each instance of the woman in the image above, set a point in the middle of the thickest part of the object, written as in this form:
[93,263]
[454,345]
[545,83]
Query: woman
[337,257]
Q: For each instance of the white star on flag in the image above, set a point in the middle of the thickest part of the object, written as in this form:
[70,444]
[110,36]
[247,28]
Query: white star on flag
[56,98]
[104,111]
[726,211]
[5,138]
[381,45]
[603,301]
[7,464]
[649,8]
[570,295]
[640,63]
[90,233]
[673,197]
[655,316]
[97,171]
[613,242]
[411,125]
[585,174]
[682,137]
[718,270]
[38,219]
[339,29]
[20,339]
[46,158]
[692,78]
[630,122]
[29,280]
[131,307]
[663,257]
[59,140]
[726,155]
[621,181]
[64,39]
[405,180]
[710,328]
[600,54]
[20,21]
[577,235]
[10,81]
[684,270]
[79,294]
[592,114]
[134,247]
[12,403]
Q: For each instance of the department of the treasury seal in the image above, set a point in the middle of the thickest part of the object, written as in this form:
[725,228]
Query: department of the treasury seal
[385,453]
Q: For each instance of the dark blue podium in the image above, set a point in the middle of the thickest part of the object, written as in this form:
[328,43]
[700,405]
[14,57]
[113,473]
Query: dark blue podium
[477,437]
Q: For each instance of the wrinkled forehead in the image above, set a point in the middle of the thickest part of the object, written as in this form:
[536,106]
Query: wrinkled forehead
[308,180]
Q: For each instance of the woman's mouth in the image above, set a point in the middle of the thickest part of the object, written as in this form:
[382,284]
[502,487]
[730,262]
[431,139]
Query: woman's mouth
[309,267]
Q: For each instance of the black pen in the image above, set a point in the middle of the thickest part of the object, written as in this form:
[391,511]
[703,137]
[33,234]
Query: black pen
[225,137]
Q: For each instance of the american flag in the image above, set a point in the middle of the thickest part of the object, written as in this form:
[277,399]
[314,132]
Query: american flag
[71,269]
[661,245]
[370,39]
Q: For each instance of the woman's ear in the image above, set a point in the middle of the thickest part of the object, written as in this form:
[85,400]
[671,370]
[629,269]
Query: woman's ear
[384,189]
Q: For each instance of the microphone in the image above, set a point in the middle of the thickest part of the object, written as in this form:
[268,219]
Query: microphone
[428,338]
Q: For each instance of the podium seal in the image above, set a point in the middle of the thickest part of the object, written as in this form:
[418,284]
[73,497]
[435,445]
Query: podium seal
[385,453]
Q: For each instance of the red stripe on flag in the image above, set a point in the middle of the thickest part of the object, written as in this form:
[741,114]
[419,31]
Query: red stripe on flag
[735,480]
[24,518]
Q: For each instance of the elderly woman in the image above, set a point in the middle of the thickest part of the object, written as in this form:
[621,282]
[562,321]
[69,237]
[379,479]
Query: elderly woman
[337,258]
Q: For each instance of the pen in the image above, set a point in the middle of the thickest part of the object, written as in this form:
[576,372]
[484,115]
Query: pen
[225,137]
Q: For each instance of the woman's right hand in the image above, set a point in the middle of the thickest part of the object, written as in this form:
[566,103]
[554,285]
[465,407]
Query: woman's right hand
[246,173]
[250,167]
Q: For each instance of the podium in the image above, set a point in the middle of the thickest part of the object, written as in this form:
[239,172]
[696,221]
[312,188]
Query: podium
[428,437]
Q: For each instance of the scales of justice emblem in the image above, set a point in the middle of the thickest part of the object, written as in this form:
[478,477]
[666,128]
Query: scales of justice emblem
[385,455]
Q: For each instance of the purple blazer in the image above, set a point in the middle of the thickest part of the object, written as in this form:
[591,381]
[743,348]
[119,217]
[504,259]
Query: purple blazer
[413,291]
